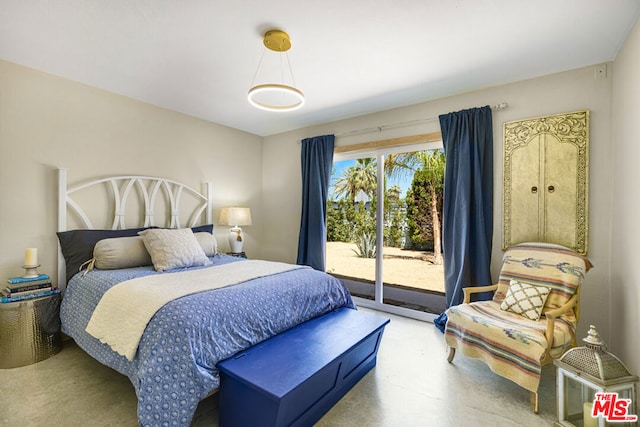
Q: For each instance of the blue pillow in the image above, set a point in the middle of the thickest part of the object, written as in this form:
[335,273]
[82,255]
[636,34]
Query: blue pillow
[77,245]
[202,229]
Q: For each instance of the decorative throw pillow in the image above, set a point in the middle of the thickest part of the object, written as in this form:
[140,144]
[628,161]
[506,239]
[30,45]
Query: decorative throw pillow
[127,252]
[525,300]
[207,242]
[121,252]
[173,248]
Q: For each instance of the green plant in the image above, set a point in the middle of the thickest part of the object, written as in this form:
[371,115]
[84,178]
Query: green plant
[393,229]
[419,218]
[365,245]
[340,220]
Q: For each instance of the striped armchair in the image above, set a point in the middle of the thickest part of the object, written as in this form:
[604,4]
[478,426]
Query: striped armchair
[531,319]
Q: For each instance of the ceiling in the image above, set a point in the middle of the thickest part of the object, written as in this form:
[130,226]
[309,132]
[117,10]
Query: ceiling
[349,57]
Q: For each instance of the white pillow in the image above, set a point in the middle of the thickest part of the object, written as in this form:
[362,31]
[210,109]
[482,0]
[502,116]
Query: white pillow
[173,248]
[525,300]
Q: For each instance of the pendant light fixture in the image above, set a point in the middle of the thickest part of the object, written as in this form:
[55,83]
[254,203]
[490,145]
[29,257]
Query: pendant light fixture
[276,96]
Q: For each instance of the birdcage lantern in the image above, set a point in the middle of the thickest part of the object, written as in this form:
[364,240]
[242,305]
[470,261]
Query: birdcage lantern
[594,388]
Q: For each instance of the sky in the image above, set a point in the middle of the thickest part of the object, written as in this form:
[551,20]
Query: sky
[340,166]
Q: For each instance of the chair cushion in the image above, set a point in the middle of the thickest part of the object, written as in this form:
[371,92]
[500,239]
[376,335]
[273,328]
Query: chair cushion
[512,345]
[543,264]
[526,300]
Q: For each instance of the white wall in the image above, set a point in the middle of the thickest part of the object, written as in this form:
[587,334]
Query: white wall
[625,225]
[569,91]
[48,122]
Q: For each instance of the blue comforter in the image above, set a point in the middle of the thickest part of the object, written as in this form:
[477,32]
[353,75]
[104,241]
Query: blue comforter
[175,366]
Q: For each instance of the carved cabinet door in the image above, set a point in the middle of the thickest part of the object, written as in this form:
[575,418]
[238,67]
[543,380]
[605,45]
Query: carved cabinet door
[545,181]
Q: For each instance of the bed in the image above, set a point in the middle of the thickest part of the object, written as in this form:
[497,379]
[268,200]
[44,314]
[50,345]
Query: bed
[189,327]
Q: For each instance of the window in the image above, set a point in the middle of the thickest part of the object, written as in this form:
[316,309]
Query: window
[383,227]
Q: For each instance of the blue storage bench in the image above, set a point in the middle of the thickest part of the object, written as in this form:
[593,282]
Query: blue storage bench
[294,378]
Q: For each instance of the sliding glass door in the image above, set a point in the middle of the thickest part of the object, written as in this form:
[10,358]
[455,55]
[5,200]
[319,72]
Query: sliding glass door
[383,228]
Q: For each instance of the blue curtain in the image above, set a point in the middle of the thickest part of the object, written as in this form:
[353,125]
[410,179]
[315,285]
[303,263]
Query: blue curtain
[317,161]
[467,225]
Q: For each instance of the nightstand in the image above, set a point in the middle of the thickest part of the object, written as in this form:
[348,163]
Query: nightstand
[29,331]
[238,254]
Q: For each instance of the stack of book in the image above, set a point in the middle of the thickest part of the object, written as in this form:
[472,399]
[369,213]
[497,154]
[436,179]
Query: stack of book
[21,288]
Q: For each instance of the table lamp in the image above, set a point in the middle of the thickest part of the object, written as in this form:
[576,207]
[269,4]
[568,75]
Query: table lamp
[235,217]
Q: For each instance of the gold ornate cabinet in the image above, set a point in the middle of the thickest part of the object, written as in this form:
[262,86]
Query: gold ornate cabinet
[545,188]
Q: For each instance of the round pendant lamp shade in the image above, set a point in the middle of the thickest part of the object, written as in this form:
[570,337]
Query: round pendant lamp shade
[276,96]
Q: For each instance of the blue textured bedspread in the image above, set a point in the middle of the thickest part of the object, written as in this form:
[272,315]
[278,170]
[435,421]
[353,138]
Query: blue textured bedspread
[175,366]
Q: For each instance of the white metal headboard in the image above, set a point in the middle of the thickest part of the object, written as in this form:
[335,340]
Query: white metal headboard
[121,187]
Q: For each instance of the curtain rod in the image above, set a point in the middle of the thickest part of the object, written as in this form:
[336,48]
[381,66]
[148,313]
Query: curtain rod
[500,106]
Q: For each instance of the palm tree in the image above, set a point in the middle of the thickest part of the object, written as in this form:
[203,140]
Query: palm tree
[393,193]
[400,164]
[361,176]
[432,162]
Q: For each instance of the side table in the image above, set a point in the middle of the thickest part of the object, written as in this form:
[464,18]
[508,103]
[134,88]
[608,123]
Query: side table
[29,331]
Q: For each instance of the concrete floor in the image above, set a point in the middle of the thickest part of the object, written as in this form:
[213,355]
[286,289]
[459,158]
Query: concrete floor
[412,385]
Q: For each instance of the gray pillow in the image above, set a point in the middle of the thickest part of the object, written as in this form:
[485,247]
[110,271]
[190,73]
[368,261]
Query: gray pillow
[207,242]
[121,252]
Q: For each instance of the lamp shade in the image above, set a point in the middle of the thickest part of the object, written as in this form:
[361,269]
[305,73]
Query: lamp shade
[275,94]
[235,216]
